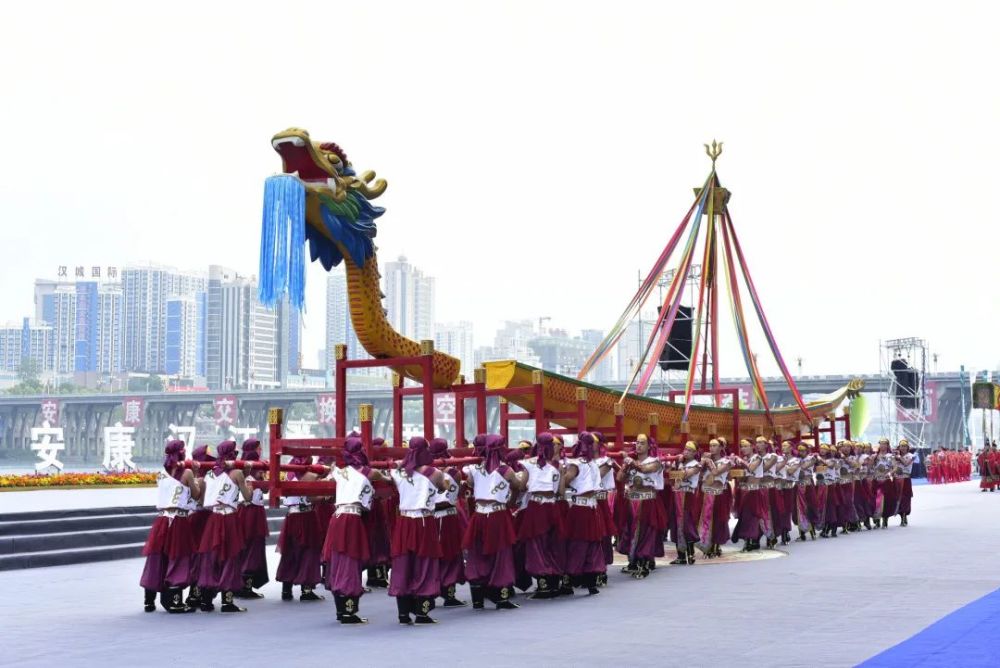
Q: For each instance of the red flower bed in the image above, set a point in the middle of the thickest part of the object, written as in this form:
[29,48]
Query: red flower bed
[33,480]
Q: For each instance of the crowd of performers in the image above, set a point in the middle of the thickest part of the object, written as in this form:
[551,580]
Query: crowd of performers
[945,466]
[988,463]
[537,514]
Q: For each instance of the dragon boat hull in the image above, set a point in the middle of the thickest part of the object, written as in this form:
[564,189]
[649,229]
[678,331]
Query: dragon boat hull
[560,396]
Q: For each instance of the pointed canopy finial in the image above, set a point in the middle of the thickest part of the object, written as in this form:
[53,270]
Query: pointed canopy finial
[714,151]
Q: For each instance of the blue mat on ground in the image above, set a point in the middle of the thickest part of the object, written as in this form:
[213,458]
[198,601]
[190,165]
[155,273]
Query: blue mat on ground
[966,638]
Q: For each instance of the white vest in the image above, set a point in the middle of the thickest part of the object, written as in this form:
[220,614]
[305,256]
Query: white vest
[415,493]
[607,481]
[257,495]
[905,466]
[586,478]
[779,468]
[450,494]
[171,494]
[542,479]
[220,490]
[352,487]
[724,476]
[793,462]
[832,471]
[488,486]
[641,479]
[688,484]
[756,471]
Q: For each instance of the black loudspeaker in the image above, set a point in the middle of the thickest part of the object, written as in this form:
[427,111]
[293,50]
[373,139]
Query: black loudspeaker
[907,387]
[677,352]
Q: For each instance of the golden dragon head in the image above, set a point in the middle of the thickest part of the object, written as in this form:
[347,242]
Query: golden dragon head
[323,167]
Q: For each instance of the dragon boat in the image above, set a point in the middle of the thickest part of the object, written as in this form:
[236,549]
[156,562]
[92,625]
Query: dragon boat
[320,201]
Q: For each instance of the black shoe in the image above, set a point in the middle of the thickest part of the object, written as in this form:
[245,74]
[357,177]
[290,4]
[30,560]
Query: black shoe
[902,520]
[403,607]
[309,595]
[173,602]
[478,596]
[421,610]
[450,600]
[690,554]
[681,559]
[746,546]
[247,592]
[885,522]
[630,569]
[149,600]
[824,534]
[590,581]
[348,610]
[286,592]
[228,604]
[868,523]
[812,533]
[565,586]
[338,602]
[193,599]
[602,580]
[544,590]
[501,598]
[802,537]
[378,577]
[205,600]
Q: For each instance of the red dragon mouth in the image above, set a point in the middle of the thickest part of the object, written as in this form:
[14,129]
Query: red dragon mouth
[297,158]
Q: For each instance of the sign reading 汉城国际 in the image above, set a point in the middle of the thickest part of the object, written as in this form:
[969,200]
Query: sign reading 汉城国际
[85,271]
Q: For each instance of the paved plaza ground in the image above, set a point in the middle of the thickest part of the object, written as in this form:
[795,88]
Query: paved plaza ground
[827,603]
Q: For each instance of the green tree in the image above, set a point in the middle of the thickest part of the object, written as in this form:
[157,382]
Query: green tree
[29,370]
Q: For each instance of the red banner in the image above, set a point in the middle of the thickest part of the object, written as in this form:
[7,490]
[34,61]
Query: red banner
[133,411]
[444,408]
[326,408]
[225,410]
[50,412]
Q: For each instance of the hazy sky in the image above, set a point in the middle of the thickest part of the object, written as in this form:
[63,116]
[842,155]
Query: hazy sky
[538,154]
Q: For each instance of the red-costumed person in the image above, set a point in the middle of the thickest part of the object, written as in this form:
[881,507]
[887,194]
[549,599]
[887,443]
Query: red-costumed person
[198,516]
[451,525]
[299,542]
[221,569]
[751,506]
[490,536]
[380,522]
[253,517]
[170,545]
[415,578]
[686,505]
[605,497]
[584,561]
[716,501]
[885,488]
[904,487]
[539,523]
[345,549]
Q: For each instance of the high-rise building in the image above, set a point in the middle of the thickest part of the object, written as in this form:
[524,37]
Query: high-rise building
[109,329]
[511,342]
[560,353]
[185,336]
[338,325]
[146,290]
[55,302]
[455,338]
[409,299]
[248,345]
[604,372]
[32,340]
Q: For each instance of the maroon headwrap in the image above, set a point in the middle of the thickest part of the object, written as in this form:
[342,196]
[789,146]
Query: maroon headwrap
[299,461]
[584,447]
[200,454]
[174,455]
[439,448]
[354,453]
[513,459]
[251,450]
[544,448]
[493,452]
[378,441]
[479,445]
[225,450]
[601,447]
[419,454]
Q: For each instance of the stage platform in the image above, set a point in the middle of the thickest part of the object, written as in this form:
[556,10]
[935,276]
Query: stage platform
[835,602]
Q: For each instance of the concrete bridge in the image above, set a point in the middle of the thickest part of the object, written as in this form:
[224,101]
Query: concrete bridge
[85,416]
